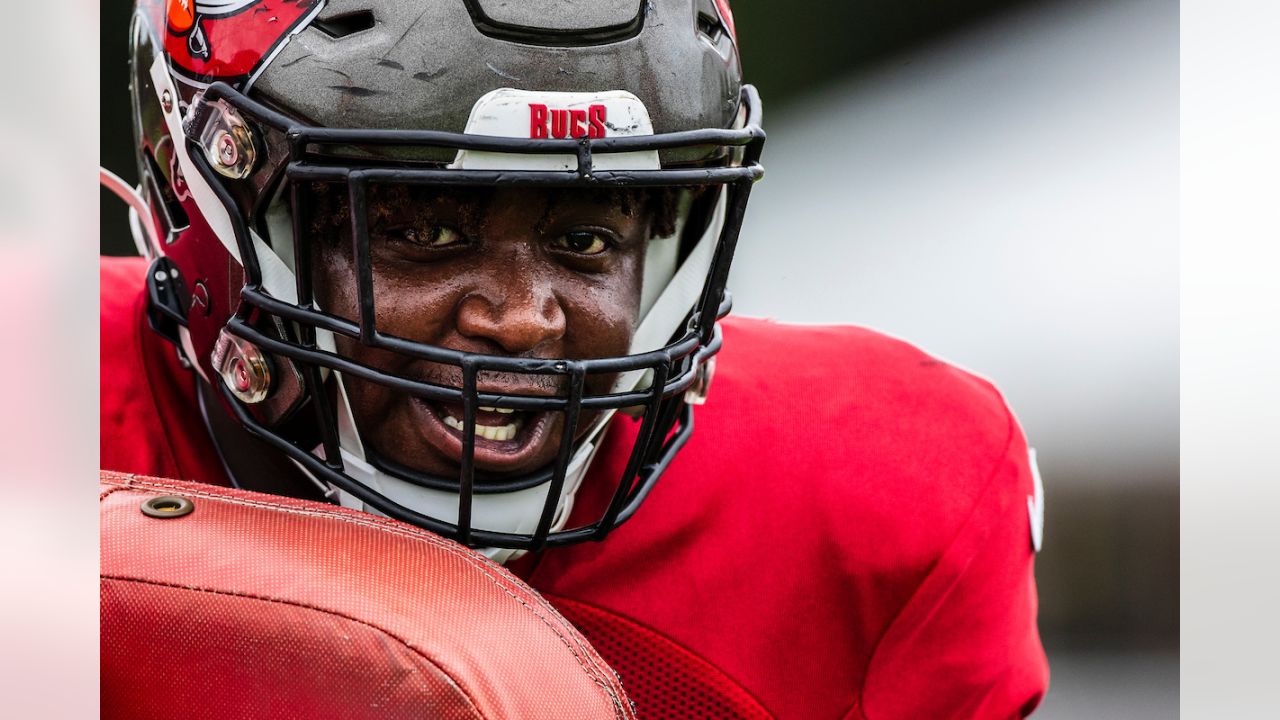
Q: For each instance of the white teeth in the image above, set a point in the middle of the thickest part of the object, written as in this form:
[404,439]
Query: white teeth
[504,411]
[488,432]
[496,432]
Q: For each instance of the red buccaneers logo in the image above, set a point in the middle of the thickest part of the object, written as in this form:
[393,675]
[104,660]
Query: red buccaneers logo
[229,40]
[185,17]
[545,122]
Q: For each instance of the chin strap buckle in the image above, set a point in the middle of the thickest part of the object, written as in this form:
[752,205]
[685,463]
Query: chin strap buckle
[165,293]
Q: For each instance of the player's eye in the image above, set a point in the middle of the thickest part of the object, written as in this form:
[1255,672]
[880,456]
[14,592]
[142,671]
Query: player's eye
[582,242]
[431,236]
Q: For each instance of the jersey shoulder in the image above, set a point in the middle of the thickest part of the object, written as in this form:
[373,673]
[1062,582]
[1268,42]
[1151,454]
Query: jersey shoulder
[121,308]
[884,435]
[149,420]
[121,283]
[861,383]
[130,424]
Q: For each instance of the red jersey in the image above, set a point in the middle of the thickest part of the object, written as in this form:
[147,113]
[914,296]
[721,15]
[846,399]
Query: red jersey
[847,534]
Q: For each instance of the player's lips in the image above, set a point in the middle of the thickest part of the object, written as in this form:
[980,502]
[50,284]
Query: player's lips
[505,440]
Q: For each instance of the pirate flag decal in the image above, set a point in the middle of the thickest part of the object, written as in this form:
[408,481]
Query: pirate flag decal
[227,40]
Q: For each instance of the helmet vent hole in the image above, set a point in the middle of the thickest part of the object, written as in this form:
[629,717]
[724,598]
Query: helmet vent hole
[710,27]
[341,26]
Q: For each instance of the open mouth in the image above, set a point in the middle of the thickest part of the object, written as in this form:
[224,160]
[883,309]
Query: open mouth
[505,440]
[490,422]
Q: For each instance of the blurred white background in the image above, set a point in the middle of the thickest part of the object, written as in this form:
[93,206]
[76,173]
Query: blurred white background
[1006,197]
[49,363]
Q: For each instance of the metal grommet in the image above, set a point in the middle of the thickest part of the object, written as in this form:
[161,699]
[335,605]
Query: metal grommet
[167,506]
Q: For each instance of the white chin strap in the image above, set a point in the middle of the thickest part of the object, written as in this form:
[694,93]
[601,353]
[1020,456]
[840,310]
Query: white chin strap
[517,511]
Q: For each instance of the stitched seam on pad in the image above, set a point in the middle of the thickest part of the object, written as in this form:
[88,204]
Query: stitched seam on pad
[111,491]
[859,702]
[601,673]
[484,566]
[280,601]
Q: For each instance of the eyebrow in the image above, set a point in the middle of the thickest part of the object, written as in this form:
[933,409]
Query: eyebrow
[603,199]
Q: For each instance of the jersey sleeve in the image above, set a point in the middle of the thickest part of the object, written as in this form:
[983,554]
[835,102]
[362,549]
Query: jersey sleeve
[965,645]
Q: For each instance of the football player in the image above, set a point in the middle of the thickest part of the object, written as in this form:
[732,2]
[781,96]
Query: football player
[462,263]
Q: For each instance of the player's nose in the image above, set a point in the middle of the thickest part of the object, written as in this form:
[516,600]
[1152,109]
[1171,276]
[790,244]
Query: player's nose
[523,316]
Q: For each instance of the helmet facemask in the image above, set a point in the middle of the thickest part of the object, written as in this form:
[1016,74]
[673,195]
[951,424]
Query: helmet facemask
[289,362]
[674,340]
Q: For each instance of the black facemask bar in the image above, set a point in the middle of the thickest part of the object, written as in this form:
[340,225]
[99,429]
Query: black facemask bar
[667,420]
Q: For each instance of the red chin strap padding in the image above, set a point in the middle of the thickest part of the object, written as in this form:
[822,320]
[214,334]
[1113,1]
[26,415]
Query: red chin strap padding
[221,603]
